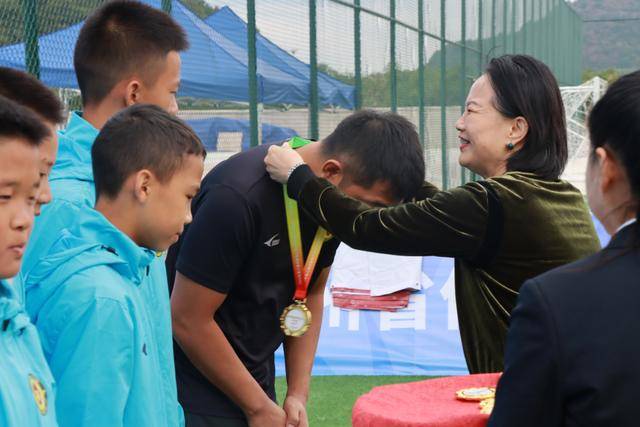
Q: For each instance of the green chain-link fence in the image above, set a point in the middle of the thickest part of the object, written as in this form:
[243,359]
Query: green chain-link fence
[416,57]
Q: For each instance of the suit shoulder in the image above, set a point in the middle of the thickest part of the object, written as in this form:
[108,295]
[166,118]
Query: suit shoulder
[591,277]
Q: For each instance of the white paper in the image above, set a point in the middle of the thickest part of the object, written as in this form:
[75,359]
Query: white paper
[380,274]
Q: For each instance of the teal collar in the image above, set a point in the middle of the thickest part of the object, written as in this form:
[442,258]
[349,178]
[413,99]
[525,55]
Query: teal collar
[74,153]
[97,228]
[12,315]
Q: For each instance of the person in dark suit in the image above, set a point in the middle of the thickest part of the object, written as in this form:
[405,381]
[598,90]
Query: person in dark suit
[573,345]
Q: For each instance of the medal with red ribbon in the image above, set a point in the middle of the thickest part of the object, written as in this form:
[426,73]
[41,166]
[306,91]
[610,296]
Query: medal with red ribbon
[296,318]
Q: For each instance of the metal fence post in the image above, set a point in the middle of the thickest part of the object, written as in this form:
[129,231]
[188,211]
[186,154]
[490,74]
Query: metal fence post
[505,29]
[421,75]
[540,29]
[560,36]
[32,55]
[513,26]
[555,41]
[392,54]
[443,95]
[357,53]
[547,33]
[525,27]
[493,29]
[480,52]
[252,70]
[580,34]
[313,81]
[480,37]
[463,73]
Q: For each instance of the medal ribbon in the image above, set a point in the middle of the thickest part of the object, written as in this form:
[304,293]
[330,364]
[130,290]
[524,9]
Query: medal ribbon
[302,271]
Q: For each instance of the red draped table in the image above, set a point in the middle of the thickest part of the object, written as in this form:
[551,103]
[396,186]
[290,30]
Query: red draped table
[427,403]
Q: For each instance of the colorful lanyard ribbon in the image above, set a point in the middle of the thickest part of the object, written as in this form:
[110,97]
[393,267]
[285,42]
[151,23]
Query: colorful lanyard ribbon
[302,271]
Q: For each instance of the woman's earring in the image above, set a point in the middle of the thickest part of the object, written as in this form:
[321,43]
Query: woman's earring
[510,146]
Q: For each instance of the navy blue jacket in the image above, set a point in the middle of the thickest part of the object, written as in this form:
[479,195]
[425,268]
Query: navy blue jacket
[573,348]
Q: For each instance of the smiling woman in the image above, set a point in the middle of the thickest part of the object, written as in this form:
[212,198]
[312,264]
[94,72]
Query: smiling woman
[514,121]
[520,221]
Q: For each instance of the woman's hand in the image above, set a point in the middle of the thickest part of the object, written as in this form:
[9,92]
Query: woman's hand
[279,160]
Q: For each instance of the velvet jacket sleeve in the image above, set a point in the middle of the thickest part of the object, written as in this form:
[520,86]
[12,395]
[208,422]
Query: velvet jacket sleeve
[445,223]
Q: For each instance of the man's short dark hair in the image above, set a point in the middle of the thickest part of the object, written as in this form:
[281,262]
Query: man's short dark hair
[26,90]
[526,87]
[376,147]
[17,121]
[120,38]
[141,137]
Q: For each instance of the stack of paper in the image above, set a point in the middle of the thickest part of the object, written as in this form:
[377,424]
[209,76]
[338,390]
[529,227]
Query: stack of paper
[370,281]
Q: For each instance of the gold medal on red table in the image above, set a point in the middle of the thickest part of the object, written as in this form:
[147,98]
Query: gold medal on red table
[476,393]
[296,318]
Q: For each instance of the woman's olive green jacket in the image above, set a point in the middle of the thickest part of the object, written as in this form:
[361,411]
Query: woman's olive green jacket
[500,231]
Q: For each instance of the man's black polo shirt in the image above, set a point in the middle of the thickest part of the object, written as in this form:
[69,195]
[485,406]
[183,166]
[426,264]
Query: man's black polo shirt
[238,245]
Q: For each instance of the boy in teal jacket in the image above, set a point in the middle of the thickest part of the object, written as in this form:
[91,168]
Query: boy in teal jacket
[26,90]
[126,53]
[98,310]
[26,384]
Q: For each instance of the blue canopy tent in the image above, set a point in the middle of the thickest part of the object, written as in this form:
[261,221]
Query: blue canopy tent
[214,67]
[331,91]
[209,129]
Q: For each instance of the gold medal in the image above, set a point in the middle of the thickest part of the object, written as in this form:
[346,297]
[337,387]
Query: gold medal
[486,406]
[39,394]
[476,393]
[295,319]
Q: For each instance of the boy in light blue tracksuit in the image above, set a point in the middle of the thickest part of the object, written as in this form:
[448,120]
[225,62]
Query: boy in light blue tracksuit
[126,53]
[26,385]
[101,316]
[26,90]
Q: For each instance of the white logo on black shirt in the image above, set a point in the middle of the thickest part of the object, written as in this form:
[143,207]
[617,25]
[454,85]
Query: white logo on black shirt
[273,241]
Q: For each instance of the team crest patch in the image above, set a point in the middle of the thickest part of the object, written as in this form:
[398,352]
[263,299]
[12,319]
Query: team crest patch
[39,394]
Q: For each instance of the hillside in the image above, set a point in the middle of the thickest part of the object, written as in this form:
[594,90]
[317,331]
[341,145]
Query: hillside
[610,44]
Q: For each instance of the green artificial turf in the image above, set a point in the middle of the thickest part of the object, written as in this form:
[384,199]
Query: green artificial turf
[331,398]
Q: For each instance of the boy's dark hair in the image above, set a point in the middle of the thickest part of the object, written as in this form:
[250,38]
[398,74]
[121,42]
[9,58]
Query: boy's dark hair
[17,121]
[28,91]
[614,123]
[379,147]
[140,137]
[120,38]
[526,87]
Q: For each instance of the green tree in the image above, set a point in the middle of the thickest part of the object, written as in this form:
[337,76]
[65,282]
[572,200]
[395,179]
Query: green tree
[609,74]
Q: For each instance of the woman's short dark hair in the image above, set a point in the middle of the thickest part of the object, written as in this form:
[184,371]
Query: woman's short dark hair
[614,123]
[526,87]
